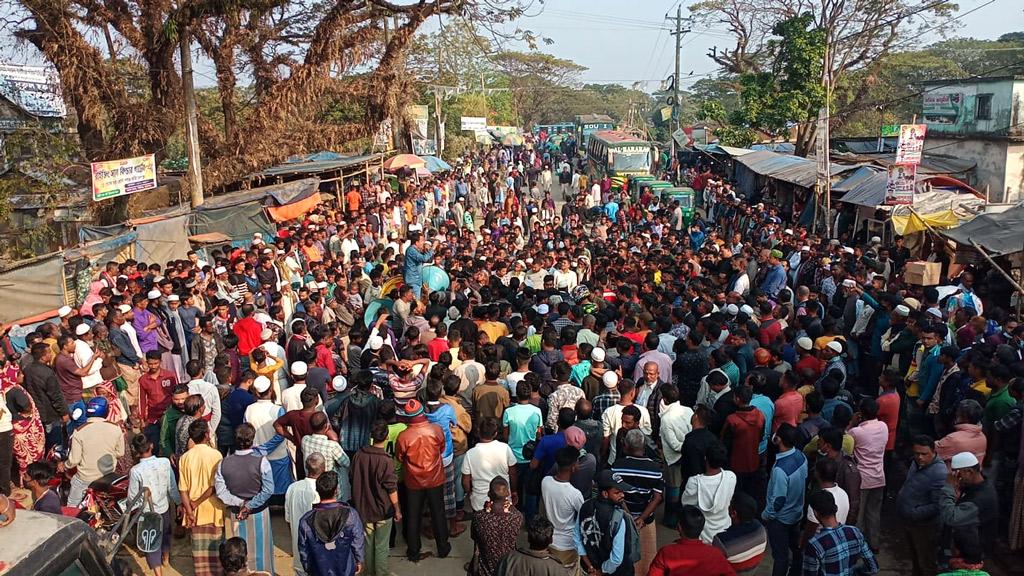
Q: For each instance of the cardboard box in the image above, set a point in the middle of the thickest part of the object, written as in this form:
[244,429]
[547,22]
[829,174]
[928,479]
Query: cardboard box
[923,273]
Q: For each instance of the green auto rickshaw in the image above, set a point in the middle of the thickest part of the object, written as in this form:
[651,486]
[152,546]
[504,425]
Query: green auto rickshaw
[685,195]
[636,181]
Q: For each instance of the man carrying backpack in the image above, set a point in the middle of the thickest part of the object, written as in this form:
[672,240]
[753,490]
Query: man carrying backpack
[606,532]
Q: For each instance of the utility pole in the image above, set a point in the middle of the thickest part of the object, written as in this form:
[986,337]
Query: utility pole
[678,123]
[195,169]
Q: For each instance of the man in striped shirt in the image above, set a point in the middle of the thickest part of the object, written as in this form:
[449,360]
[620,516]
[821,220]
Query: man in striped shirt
[647,486]
[746,541]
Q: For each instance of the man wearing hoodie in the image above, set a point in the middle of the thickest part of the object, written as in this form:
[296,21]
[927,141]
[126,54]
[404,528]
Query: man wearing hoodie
[712,492]
[331,534]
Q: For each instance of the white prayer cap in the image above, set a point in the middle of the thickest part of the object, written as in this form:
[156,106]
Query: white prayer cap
[299,368]
[261,384]
[64,311]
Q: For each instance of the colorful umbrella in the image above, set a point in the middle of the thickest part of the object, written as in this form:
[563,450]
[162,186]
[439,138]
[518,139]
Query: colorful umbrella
[404,161]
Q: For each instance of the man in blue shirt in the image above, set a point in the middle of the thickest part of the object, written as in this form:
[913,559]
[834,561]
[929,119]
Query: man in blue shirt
[775,280]
[415,256]
[785,505]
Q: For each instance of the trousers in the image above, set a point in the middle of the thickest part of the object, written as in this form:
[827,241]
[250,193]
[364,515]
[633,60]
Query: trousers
[432,498]
[376,546]
[869,517]
[784,540]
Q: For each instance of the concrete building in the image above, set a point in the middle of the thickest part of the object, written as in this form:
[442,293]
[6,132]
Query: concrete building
[980,120]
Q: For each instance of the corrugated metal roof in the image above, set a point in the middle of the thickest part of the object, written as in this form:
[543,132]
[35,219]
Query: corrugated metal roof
[853,179]
[870,192]
[322,163]
[792,169]
[998,234]
[780,147]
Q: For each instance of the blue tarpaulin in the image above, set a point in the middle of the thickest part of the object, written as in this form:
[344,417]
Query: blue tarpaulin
[435,164]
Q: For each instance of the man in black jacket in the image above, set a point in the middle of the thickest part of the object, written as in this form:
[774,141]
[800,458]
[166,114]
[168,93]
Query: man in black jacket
[975,511]
[697,442]
[41,382]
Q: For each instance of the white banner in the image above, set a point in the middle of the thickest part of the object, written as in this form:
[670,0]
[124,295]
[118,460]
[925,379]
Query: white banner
[474,123]
[821,145]
[911,145]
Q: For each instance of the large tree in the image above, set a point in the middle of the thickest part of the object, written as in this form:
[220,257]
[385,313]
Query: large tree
[857,33]
[299,56]
[536,81]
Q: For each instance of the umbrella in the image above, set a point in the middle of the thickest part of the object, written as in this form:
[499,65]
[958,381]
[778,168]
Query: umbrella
[404,161]
[435,277]
[422,171]
[512,140]
[435,164]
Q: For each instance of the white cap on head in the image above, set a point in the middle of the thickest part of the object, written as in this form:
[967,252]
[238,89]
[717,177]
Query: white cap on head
[902,310]
[597,355]
[935,312]
[542,309]
[261,384]
[835,347]
[963,460]
[732,309]
[805,248]
[64,311]
[788,231]
[876,240]
[912,303]
[299,368]
[266,334]
[339,383]
[124,308]
[82,329]
[804,343]
[610,379]
[174,298]
[847,249]
[376,343]
[746,309]
[220,270]
[153,295]
[322,285]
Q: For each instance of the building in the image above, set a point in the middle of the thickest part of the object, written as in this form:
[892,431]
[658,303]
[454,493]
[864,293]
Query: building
[980,120]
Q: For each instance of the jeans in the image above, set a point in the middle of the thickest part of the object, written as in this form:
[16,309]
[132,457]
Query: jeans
[784,540]
[433,498]
[76,493]
[375,556]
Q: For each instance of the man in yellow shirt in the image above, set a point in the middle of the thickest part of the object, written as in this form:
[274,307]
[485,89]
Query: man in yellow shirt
[204,512]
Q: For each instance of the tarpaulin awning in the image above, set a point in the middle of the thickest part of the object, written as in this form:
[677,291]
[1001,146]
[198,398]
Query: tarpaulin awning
[31,288]
[237,222]
[92,233]
[295,209]
[793,169]
[113,248]
[912,222]
[870,190]
[273,195]
[317,163]
[163,240]
[999,234]
[209,238]
[728,150]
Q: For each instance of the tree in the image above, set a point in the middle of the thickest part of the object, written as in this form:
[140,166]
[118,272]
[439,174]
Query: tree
[857,33]
[300,55]
[535,80]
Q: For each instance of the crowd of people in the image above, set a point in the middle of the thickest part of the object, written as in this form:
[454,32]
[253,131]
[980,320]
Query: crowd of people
[460,353]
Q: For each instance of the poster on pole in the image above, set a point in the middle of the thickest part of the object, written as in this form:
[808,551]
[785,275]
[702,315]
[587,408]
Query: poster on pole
[911,143]
[900,184]
[419,114]
[122,177]
[473,123]
[890,130]
[382,137]
[821,146]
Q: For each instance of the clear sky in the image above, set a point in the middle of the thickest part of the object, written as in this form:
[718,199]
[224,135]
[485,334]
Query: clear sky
[624,41]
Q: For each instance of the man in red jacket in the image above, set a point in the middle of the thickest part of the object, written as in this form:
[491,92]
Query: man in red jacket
[420,448]
[689,555]
[248,330]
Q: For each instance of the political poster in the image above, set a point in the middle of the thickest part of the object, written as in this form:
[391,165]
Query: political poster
[473,123]
[419,114]
[900,184]
[911,143]
[122,177]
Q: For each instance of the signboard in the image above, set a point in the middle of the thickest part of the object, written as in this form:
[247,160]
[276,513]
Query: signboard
[382,138]
[122,177]
[821,146]
[911,143]
[424,147]
[900,184]
[942,108]
[890,131]
[473,123]
[35,89]
[419,114]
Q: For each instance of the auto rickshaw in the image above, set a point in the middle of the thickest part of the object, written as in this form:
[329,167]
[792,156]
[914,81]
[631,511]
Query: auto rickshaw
[655,186]
[634,184]
[685,195]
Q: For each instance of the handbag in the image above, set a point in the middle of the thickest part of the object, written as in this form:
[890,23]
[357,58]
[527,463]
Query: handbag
[149,533]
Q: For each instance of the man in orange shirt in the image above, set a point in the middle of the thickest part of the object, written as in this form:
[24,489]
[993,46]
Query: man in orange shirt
[352,200]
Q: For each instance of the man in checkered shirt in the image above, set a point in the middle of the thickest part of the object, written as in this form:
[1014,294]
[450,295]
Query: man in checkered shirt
[836,549]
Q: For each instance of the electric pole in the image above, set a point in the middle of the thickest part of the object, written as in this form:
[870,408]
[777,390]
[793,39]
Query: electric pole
[676,115]
[195,169]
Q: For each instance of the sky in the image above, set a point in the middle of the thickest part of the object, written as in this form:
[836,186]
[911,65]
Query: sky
[627,41]
[643,48]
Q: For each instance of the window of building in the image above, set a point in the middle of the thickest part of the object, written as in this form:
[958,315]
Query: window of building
[984,110]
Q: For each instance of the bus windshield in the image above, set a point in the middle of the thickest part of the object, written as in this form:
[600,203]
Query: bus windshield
[627,160]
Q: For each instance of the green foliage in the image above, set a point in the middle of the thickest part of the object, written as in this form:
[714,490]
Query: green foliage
[738,136]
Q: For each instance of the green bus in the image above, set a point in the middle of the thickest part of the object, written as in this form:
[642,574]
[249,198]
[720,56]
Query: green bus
[617,154]
[587,124]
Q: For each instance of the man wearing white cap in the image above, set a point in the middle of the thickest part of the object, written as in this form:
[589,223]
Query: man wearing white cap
[129,356]
[262,414]
[968,502]
[84,358]
[290,397]
[609,396]
[64,314]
